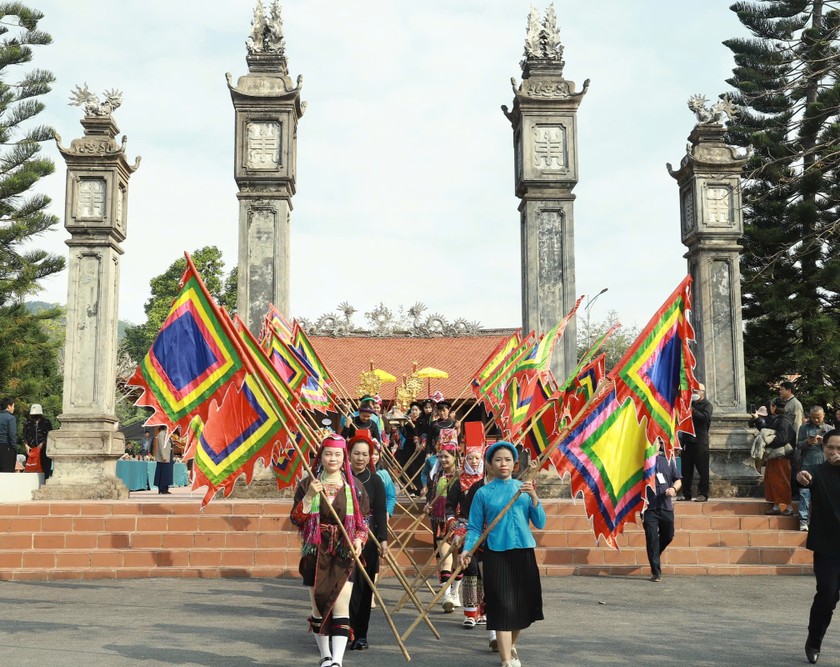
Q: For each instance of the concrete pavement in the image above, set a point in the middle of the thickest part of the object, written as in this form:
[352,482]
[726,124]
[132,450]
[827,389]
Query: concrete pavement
[688,621]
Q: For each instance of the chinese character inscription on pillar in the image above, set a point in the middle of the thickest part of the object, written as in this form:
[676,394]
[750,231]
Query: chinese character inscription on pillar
[263,146]
[91,200]
[719,206]
[549,146]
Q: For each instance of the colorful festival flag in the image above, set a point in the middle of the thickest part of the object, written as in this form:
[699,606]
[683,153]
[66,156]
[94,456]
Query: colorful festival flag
[657,371]
[584,385]
[281,326]
[543,427]
[610,461]
[191,361]
[244,428]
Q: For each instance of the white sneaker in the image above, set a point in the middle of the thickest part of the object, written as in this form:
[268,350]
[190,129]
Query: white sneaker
[456,593]
[446,602]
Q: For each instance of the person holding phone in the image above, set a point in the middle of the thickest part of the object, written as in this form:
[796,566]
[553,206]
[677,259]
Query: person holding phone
[809,451]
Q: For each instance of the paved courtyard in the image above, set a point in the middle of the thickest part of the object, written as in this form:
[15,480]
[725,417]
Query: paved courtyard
[239,622]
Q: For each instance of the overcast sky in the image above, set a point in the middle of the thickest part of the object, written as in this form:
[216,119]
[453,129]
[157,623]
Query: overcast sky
[405,160]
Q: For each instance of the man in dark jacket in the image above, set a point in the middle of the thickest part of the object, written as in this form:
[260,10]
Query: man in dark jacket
[695,448]
[823,539]
[8,435]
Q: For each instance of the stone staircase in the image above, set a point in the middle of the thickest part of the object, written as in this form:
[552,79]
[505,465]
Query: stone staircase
[147,537]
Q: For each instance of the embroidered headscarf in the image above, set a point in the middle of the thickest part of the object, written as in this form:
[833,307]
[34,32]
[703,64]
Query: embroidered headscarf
[470,475]
[354,521]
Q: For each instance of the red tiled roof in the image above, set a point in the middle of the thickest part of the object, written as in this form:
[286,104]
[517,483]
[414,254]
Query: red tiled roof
[347,358]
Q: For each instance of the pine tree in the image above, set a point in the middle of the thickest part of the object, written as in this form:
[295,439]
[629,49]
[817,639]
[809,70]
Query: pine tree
[165,287]
[786,78]
[28,354]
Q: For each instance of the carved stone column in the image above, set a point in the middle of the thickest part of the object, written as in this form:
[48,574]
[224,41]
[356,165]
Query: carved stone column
[544,121]
[709,179]
[267,108]
[85,449]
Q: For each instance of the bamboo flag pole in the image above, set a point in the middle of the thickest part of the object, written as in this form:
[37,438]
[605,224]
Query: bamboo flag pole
[401,578]
[422,576]
[267,385]
[536,465]
[411,560]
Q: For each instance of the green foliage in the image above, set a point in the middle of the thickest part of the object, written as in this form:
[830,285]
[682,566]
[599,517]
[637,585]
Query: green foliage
[786,82]
[29,358]
[22,215]
[615,346]
[30,342]
[165,287]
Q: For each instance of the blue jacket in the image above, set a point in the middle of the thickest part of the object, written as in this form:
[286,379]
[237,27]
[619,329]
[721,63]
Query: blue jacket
[390,491]
[512,531]
[8,430]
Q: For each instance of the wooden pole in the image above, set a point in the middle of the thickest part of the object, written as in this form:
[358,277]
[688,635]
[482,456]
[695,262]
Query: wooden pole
[536,465]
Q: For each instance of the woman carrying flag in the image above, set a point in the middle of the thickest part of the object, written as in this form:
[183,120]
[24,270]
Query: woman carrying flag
[327,564]
[512,590]
[443,476]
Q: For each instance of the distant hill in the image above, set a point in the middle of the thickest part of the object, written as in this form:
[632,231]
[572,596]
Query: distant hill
[38,306]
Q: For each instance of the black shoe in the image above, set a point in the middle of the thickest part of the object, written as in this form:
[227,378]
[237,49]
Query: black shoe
[682,498]
[701,499]
[361,644]
[813,654]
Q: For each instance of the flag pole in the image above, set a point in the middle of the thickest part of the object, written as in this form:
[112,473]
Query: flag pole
[533,469]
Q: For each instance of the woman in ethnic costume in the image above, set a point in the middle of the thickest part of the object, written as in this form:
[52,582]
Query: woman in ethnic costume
[444,474]
[360,602]
[457,514]
[327,564]
[512,590]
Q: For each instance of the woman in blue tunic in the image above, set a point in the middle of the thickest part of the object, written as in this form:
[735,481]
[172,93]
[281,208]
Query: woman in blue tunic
[512,591]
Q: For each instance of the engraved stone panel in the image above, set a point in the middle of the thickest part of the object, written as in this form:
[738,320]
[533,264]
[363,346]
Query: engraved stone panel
[549,147]
[261,278]
[263,145]
[90,199]
[550,248]
[723,327]
[119,213]
[718,207]
[687,210]
[87,340]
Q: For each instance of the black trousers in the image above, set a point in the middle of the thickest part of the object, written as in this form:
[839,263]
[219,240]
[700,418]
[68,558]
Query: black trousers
[362,594]
[827,574]
[695,456]
[659,532]
[8,456]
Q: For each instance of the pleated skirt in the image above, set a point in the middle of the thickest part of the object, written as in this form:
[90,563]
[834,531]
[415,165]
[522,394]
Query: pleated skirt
[512,590]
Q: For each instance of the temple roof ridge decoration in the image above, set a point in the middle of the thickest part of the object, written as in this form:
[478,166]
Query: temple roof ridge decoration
[384,322]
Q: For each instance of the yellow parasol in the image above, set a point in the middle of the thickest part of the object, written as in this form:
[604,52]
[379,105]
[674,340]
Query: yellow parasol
[385,376]
[430,373]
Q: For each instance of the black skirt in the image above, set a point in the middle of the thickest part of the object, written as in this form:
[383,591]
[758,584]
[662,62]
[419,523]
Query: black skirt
[512,590]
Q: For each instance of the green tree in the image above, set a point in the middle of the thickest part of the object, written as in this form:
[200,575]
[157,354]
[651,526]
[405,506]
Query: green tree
[28,353]
[787,87]
[616,344]
[165,287]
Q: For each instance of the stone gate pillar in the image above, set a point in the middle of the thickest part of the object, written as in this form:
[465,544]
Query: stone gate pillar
[85,449]
[544,120]
[709,179]
[267,108]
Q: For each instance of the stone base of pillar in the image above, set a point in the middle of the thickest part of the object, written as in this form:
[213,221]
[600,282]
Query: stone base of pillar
[730,469]
[263,485]
[84,464]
